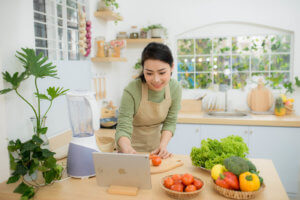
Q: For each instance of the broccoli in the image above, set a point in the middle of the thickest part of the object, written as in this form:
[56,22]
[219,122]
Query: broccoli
[236,165]
[251,166]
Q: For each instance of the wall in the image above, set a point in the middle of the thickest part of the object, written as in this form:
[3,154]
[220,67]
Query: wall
[3,138]
[179,17]
[18,31]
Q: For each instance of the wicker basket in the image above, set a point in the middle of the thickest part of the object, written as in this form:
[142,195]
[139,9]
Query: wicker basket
[181,195]
[233,194]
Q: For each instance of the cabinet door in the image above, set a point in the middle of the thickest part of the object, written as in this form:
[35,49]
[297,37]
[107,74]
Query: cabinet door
[282,146]
[186,136]
[222,131]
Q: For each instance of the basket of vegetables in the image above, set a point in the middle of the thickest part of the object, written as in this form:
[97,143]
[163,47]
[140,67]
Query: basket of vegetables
[237,179]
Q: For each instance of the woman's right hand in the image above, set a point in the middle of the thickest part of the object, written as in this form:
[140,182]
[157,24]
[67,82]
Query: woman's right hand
[128,150]
[125,145]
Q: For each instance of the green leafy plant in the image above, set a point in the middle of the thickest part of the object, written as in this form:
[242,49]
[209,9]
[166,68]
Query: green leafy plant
[155,26]
[145,29]
[213,151]
[138,65]
[30,158]
[111,3]
[158,26]
[289,86]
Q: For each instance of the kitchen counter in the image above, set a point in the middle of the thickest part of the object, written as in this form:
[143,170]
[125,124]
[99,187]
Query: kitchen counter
[73,189]
[251,119]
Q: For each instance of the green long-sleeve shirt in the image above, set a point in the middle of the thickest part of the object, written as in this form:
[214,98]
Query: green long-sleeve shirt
[130,103]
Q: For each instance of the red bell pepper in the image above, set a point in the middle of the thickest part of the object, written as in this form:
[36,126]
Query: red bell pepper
[222,183]
[232,180]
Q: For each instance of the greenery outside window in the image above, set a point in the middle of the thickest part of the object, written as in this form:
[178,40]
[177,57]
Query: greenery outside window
[232,60]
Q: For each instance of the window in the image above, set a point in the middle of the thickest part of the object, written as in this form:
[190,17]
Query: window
[231,60]
[56,28]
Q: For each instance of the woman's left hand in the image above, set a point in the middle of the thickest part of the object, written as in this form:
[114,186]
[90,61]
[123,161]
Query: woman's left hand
[162,152]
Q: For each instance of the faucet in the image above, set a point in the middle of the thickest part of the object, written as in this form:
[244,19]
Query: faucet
[224,88]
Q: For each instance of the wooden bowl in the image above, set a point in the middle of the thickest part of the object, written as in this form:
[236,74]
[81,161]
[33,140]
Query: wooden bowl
[234,194]
[181,195]
[106,144]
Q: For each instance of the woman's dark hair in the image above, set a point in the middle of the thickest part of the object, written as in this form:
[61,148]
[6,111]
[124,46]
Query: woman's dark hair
[156,51]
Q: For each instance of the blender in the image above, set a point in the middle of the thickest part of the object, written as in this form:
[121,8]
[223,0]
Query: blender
[84,119]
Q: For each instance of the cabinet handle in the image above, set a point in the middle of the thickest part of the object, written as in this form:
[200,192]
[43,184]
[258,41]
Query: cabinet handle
[246,132]
[197,130]
[251,131]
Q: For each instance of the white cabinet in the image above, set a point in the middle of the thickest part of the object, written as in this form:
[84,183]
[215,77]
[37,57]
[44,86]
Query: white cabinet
[222,131]
[282,146]
[186,136]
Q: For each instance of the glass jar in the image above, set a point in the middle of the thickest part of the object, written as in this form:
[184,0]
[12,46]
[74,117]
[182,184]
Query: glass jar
[100,46]
[134,33]
[122,35]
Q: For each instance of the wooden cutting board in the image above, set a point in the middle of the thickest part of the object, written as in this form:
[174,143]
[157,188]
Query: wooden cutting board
[166,165]
[260,99]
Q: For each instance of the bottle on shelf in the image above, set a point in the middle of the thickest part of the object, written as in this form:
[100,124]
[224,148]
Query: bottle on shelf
[134,33]
[122,35]
[100,45]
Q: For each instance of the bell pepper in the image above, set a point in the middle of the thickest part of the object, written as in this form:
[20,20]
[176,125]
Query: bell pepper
[249,182]
[217,170]
[222,183]
[232,180]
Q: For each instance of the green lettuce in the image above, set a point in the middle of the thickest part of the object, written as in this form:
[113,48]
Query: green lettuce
[214,152]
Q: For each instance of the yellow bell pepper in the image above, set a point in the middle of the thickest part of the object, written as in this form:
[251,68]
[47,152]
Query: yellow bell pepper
[249,182]
[217,170]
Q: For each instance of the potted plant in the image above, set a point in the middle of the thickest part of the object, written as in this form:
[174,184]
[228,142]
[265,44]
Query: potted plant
[30,158]
[157,31]
[137,68]
[108,5]
[144,32]
[289,88]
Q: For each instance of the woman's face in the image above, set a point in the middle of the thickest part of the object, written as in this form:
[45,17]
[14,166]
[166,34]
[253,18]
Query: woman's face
[157,74]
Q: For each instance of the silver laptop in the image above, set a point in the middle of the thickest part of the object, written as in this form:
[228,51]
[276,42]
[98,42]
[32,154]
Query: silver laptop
[122,169]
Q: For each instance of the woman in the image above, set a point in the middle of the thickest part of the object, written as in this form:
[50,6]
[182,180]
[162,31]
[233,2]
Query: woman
[149,105]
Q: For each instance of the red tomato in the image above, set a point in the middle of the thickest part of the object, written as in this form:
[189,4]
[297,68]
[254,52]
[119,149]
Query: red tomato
[151,156]
[187,179]
[197,183]
[156,161]
[190,188]
[177,187]
[176,177]
[168,182]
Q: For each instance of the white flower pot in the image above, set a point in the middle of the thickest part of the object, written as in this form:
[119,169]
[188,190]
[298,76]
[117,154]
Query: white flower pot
[156,33]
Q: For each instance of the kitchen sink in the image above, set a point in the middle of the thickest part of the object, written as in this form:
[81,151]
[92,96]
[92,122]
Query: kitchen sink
[227,114]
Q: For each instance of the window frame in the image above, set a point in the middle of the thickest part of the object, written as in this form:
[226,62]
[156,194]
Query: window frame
[57,48]
[231,54]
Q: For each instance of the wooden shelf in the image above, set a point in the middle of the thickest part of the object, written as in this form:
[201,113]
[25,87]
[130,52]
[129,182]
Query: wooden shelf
[141,40]
[108,59]
[108,15]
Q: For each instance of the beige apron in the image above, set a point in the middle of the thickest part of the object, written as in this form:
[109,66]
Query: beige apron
[147,122]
